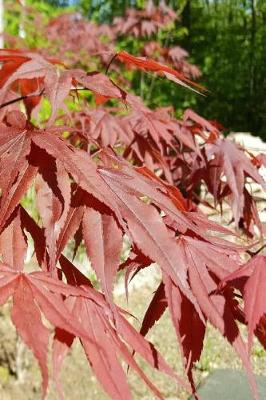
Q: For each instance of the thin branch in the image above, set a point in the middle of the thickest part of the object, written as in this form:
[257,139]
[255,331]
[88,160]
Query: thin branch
[110,62]
[8,103]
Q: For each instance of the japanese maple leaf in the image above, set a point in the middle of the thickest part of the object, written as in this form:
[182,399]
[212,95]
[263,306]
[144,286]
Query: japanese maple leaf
[236,166]
[25,162]
[189,327]
[16,173]
[175,56]
[104,361]
[98,83]
[204,275]
[136,184]
[72,221]
[109,338]
[143,151]
[14,253]
[38,237]
[252,280]
[261,331]
[57,87]
[29,87]
[12,59]
[37,75]
[155,310]
[19,65]
[148,230]
[250,215]
[34,294]
[177,53]
[158,138]
[254,295]
[200,126]
[39,149]
[144,22]
[53,196]
[60,213]
[191,256]
[135,261]
[107,128]
[157,124]
[153,66]
[80,166]
[103,241]
[188,322]
[134,25]
[70,36]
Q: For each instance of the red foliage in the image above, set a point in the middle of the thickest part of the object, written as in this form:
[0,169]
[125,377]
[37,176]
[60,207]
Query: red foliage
[71,33]
[144,22]
[175,56]
[87,189]
[154,66]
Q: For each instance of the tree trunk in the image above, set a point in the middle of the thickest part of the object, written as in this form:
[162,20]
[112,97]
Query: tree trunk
[22,33]
[1,24]
[252,47]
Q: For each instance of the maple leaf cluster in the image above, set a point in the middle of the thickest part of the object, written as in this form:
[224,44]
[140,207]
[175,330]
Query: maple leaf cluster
[105,173]
[174,56]
[82,43]
[145,22]
[77,40]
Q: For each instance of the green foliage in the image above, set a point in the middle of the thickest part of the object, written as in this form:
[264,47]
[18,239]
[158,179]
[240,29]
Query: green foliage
[21,21]
[104,11]
[227,40]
